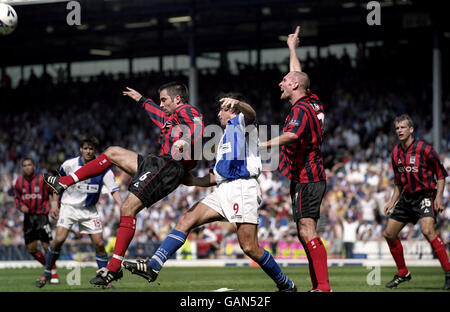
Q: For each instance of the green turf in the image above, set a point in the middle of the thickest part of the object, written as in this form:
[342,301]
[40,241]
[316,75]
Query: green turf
[242,279]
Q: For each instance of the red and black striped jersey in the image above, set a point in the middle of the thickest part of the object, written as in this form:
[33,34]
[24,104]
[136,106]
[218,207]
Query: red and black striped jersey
[417,167]
[33,194]
[302,161]
[185,123]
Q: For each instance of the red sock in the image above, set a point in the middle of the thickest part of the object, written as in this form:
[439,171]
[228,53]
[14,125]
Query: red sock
[39,257]
[312,274]
[89,170]
[124,236]
[441,252]
[318,256]
[54,273]
[397,252]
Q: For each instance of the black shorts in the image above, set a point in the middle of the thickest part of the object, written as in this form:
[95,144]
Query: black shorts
[157,177]
[306,199]
[36,227]
[412,207]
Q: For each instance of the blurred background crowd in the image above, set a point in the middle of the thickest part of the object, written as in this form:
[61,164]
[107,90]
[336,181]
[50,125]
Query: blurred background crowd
[46,116]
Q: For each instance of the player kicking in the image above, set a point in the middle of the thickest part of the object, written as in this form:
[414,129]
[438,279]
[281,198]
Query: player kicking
[78,205]
[153,177]
[236,198]
[417,197]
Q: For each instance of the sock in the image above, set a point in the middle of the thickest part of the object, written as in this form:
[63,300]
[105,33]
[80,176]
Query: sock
[54,272]
[89,170]
[102,260]
[168,247]
[50,260]
[318,256]
[441,252]
[312,273]
[124,237]
[271,267]
[397,252]
[39,257]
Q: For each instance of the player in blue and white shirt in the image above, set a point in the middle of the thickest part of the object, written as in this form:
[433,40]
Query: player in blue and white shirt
[78,205]
[235,199]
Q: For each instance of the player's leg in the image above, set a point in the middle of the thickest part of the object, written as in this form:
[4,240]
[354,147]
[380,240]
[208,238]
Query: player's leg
[427,225]
[52,255]
[32,249]
[54,277]
[390,234]
[198,215]
[101,257]
[306,202]
[312,273]
[121,157]
[128,211]
[156,177]
[248,240]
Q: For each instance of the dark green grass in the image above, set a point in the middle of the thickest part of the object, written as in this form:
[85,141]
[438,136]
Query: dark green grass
[241,279]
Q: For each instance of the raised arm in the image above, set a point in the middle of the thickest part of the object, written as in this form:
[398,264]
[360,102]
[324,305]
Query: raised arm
[248,112]
[155,113]
[292,42]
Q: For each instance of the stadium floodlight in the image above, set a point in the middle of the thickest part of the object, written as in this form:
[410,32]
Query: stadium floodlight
[304,10]
[348,5]
[149,23]
[100,52]
[179,19]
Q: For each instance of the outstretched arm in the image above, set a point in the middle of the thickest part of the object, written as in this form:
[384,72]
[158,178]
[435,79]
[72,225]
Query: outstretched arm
[292,42]
[208,180]
[155,113]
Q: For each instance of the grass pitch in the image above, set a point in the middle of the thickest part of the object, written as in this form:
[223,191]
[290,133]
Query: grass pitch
[237,279]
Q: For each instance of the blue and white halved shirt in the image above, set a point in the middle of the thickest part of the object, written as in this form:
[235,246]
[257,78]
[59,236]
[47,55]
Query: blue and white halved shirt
[237,154]
[85,193]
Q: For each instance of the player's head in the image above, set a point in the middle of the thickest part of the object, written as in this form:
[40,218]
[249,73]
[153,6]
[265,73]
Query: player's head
[404,127]
[88,147]
[294,84]
[28,166]
[171,95]
[225,114]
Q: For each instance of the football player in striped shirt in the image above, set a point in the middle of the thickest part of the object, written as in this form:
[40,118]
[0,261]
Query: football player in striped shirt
[419,178]
[153,176]
[32,197]
[301,161]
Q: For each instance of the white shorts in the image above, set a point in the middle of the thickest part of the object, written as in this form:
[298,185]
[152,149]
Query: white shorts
[236,200]
[87,218]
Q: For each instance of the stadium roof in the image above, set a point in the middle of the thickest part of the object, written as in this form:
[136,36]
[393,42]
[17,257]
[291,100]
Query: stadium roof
[113,29]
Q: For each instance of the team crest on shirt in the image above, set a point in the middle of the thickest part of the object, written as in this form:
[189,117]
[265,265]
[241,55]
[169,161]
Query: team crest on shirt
[399,162]
[294,122]
[36,189]
[225,148]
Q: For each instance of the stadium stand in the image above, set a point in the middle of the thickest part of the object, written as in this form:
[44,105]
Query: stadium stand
[44,116]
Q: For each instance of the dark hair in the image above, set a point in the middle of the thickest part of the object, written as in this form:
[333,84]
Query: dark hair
[404,117]
[234,95]
[25,158]
[92,140]
[175,88]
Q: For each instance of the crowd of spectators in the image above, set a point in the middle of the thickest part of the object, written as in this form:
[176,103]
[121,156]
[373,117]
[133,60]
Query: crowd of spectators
[45,117]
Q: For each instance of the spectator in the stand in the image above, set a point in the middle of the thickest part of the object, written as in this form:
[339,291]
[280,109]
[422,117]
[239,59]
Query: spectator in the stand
[349,236]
